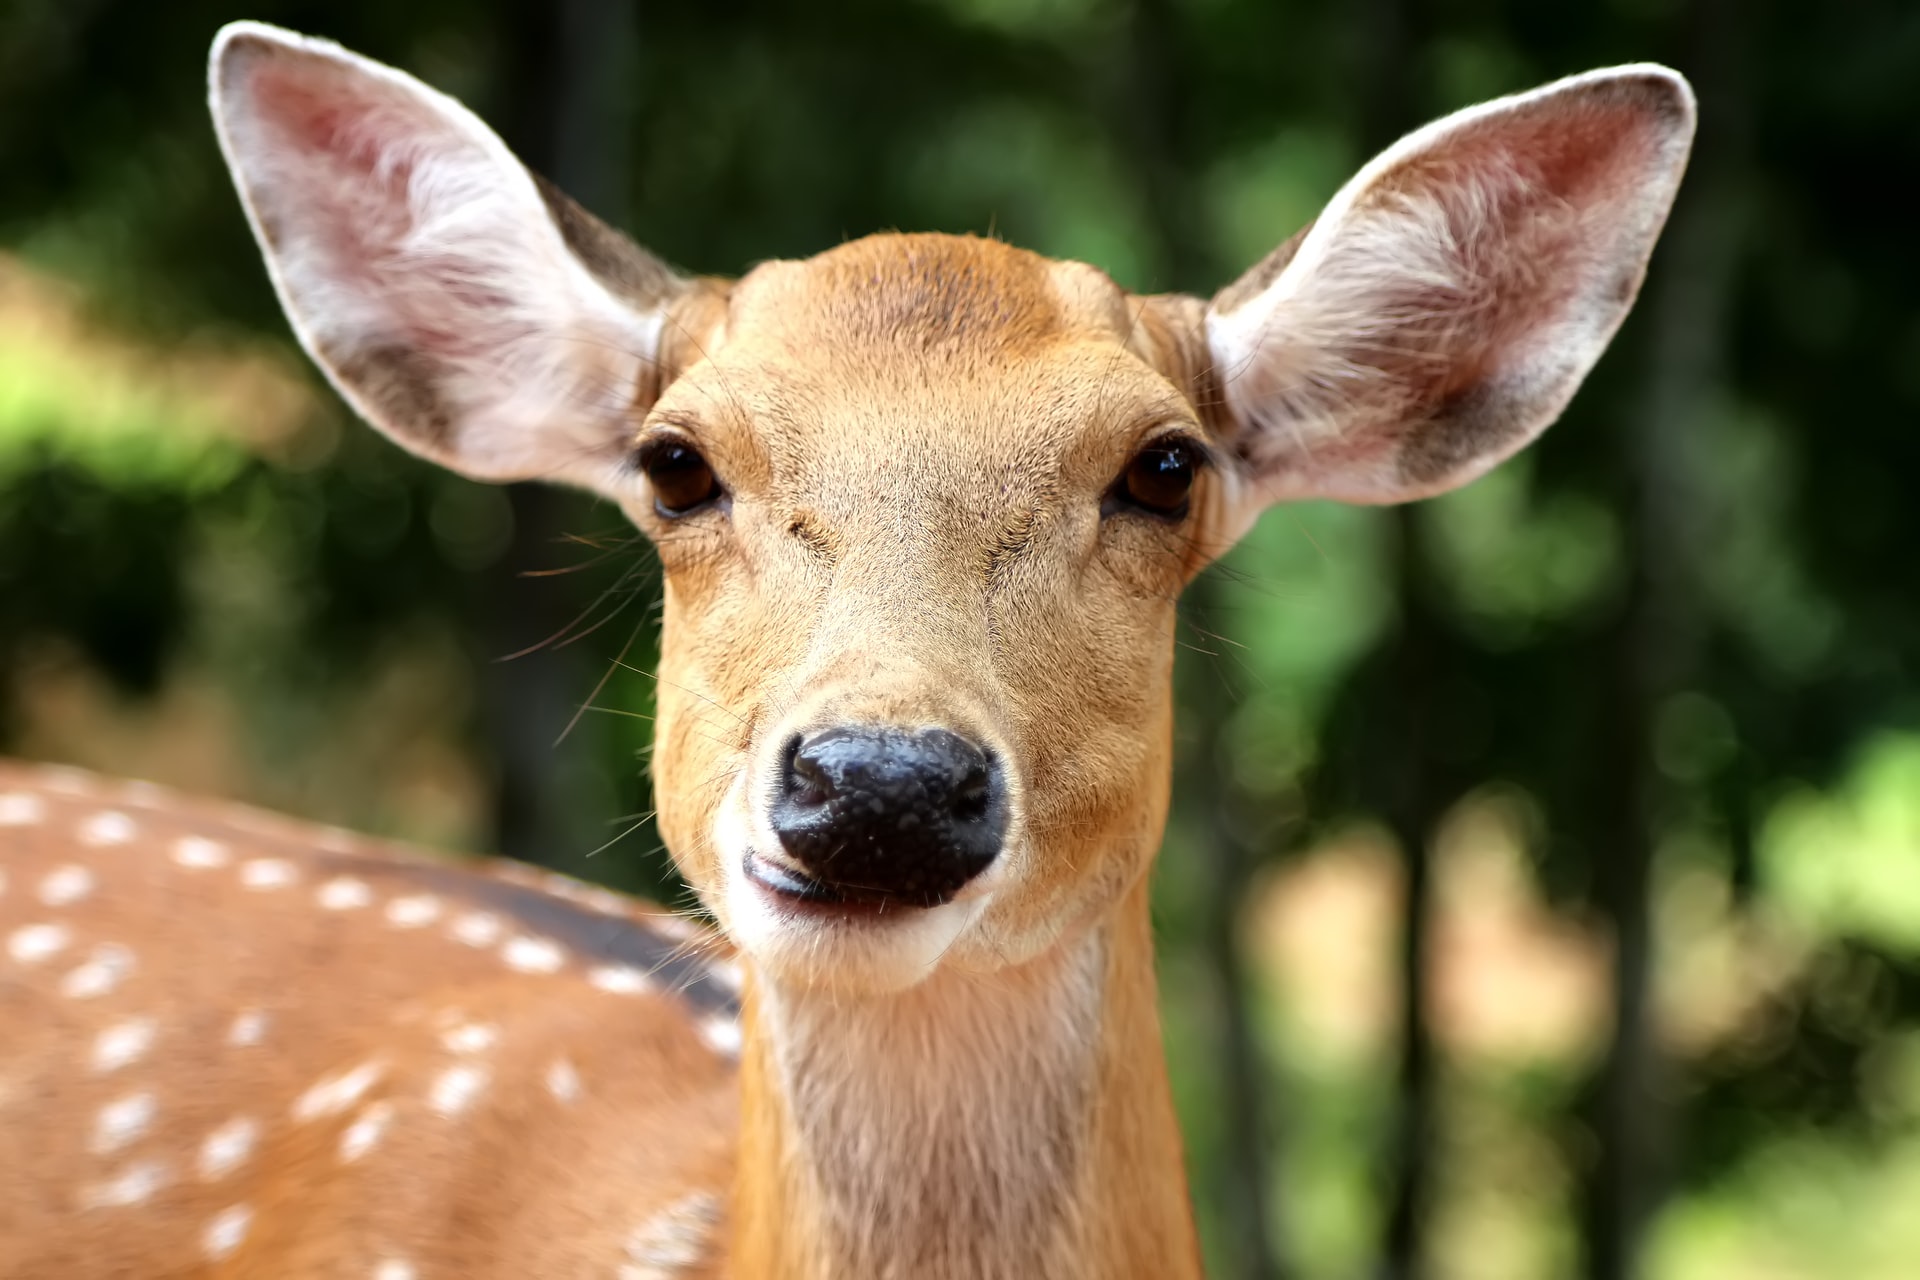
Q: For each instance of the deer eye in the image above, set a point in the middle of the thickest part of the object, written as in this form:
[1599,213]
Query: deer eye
[682,480]
[1159,480]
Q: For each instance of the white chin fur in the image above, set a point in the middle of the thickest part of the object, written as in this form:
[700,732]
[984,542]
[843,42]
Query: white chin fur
[868,954]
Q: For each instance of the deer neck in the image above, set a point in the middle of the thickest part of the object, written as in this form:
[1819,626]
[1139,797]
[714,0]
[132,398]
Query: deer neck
[1011,1125]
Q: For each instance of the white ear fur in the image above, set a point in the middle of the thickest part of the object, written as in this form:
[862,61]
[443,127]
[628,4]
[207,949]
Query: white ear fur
[1443,309]
[442,289]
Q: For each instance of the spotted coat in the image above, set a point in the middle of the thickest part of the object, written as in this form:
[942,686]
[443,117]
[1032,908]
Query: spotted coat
[227,1037]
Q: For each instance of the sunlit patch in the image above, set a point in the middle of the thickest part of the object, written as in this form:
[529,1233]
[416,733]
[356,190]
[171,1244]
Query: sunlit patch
[36,943]
[108,827]
[122,1044]
[66,885]
[121,1122]
[394,1269]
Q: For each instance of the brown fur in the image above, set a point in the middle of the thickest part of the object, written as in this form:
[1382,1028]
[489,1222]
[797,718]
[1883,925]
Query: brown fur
[917,437]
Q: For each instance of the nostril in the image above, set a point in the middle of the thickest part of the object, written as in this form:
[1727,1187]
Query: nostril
[974,795]
[805,777]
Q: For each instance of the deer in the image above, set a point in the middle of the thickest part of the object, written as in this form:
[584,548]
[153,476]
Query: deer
[923,505]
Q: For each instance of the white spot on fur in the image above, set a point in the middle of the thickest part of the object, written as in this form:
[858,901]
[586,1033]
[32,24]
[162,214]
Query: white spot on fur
[726,973]
[337,1092]
[248,1028]
[672,1240]
[65,885]
[197,853]
[21,809]
[456,1088]
[563,1081]
[267,873]
[140,791]
[394,1269]
[722,1035]
[33,943]
[365,1132]
[225,1233]
[478,929]
[122,1121]
[620,979]
[533,955]
[344,893]
[336,840]
[108,827]
[227,1148]
[136,1184]
[66,780]
[414,911]
[678,928]
[470,1037]
[122,1044]
[105,967]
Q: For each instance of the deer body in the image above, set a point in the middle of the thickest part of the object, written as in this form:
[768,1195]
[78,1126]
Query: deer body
[923,505]
[513,1075]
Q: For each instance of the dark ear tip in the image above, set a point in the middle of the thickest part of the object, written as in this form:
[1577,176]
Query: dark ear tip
[1661,92]
[240,46]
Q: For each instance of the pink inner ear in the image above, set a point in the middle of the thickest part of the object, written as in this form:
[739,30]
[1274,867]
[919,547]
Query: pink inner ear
[351,158]
[1530,210]
[335,130]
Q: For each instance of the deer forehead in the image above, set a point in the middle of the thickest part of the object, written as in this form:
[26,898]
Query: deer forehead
[970,367]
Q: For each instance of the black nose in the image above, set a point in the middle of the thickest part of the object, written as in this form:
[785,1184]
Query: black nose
[881,815]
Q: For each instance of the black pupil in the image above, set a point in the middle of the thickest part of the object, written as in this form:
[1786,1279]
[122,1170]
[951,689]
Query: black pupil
[1160,478]
[681,478]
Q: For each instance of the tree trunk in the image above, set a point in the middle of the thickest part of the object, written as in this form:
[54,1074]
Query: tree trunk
[567,117]
[1655,646]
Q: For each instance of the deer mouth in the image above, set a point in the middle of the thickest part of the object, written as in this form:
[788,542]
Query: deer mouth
[794,887]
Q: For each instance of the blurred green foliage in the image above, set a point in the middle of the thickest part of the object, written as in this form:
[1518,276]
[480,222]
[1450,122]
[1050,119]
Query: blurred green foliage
[1687,624]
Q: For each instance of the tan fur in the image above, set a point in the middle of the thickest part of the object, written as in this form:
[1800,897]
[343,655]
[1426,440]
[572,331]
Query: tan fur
[917,438]
[230,1001]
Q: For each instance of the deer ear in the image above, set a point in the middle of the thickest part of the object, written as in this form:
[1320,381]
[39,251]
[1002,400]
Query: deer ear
[462,306]
[1441,311]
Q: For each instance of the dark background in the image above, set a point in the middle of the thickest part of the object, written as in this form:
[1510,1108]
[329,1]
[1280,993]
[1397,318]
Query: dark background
[1543,896]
